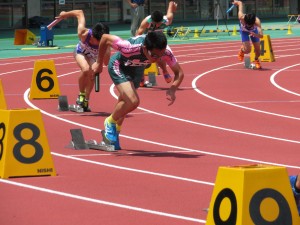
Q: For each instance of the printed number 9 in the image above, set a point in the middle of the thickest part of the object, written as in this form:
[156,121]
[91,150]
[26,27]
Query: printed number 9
[2,127]
[284,216]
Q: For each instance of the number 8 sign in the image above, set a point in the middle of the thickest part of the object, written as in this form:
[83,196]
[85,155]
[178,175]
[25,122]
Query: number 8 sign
[24,149]
[252,195]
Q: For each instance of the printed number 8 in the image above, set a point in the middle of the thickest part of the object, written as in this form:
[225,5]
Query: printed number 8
[2,127]
[31,141]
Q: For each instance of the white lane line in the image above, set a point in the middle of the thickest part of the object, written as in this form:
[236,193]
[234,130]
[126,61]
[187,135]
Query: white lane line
[97,201]
[133,170]
[235,105]
[272,79]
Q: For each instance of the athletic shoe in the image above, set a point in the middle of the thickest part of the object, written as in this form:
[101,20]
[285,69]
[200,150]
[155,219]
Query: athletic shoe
[117,143]
[241,55]
[257,64]
[80,99]
[110,131]
[147,84]
[85,106]
[142,83]
[293,180]
[168,78]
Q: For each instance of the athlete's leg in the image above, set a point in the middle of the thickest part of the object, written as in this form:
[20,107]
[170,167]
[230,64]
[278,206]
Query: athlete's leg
[127,102]
[256,46]
[246,47]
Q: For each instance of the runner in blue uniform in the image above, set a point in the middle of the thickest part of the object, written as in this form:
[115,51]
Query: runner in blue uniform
[250,28]
[126,69]
[86,53]
[295,183]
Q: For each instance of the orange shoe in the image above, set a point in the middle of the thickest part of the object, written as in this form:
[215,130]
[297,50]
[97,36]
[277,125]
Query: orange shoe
[257,64]
[241,55]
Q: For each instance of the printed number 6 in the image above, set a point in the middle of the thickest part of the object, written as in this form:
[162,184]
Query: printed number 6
[40,79]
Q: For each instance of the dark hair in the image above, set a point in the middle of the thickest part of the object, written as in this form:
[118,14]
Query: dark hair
[155,39]
[99,29]
[157,16]
[250,18]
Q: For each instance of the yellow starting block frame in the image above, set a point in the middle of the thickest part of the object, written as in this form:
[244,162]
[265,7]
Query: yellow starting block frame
[293,17]
[181,32]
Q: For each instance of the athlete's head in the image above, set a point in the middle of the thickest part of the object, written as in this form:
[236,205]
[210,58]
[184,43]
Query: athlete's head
[99,29]
[155,45]
[250,19]
[157,16]
[155,39]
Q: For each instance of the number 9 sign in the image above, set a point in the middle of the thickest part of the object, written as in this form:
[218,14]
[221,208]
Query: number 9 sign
[252,195]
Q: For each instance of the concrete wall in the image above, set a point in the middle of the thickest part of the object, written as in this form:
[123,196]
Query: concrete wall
[294,6]
[126,11]
[34,8]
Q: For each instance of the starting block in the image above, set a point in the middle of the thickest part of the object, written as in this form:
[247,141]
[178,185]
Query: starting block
[248,64]
[151,71]
[63,105]
[76,108]
[79,143]
[152,79]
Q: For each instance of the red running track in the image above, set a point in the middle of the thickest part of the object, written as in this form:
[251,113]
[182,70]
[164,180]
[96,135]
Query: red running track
[224,115]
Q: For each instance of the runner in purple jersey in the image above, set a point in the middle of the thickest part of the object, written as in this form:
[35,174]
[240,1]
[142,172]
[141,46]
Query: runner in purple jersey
[86,53]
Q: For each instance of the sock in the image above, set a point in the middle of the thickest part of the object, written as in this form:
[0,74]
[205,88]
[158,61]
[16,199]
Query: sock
[111,120]
[118,128]
[82,93]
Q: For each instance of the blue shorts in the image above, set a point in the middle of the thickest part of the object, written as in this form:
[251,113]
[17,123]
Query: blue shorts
[296,194]
[246,37]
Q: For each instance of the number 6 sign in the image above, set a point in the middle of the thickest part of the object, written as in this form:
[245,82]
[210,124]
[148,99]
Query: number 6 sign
[44,83]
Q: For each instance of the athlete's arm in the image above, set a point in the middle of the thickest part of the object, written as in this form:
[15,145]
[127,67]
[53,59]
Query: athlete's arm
[81,29]
[107,41]
[241,11]
[105,44]
[143,27]
[170,13]
[258,25]
[178,77]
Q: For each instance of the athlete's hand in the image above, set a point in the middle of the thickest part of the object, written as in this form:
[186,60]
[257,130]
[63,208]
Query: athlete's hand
[171,95]
[252,34]
[173,6]
[237,3]
[97,68]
